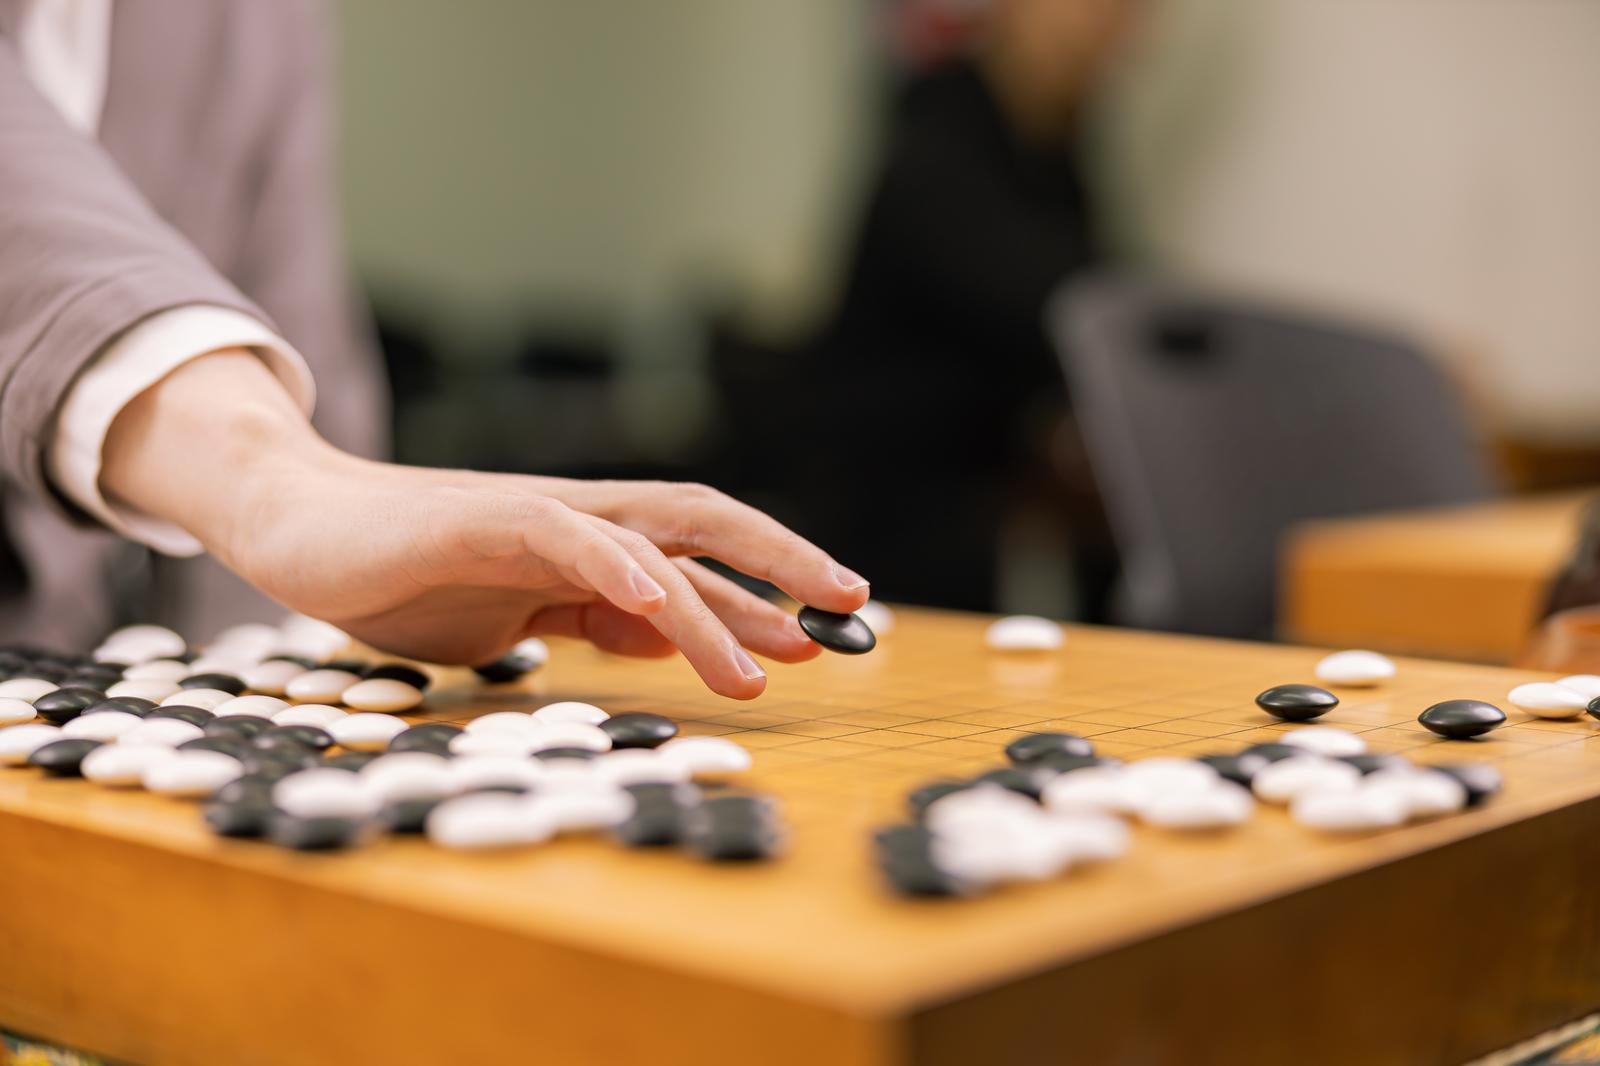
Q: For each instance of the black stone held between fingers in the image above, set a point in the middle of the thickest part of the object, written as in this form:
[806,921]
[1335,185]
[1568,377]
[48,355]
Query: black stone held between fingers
[1481,780]
[63,758]
[1297,703]
[1462,719]
[843,633]
[1035,746]
[65,704]
[638,729]
[193,715]
[223,682]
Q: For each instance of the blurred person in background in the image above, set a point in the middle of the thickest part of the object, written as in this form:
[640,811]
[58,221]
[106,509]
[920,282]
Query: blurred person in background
[173,295]
[936,367]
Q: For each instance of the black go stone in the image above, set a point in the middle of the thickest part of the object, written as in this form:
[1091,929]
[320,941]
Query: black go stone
[1297,703]
[904,855]
[238,726]
[1480,779]
[919,799]
[408,815]
[1027,781]
[349,760]
[398,672]
[304,737]
[127,704]
[299,660]
[84,679]
[1241,769]
[226,682]
[65,704]
[432,737]
[63,758]
[506,669]
[639,729]
[844,633]
[318,833]
[734,829]
[251,788]
[1058,763]
[584,754]
[349,666]
[1594,707]
[274,763]
[1372,762]
[235,746]
[240,818]
[658,815]
[193,715]
[1036,746]
[1459,719]
[1273,751]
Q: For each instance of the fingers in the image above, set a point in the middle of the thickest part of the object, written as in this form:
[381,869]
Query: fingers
[539,536]
[759,625]
[603,625]
[685,620]
[695,520]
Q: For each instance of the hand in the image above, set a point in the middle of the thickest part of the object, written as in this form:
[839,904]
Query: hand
[455,566]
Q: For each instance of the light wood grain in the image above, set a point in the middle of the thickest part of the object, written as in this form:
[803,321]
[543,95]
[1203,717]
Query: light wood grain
[1459,583]
[127,928]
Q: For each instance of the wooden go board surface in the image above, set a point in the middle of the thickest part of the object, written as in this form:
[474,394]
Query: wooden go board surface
[128,929]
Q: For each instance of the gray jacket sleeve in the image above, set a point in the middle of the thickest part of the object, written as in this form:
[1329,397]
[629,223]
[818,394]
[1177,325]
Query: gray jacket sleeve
[82,258]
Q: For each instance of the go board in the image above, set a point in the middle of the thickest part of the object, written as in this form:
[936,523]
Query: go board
[128,929]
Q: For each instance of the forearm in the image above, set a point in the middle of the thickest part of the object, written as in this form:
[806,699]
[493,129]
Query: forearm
[208,445]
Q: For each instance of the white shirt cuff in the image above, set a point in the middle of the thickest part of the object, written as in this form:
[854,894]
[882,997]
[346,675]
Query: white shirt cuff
[127,367]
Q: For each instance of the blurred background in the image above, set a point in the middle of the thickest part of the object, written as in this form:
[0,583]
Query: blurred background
[833,256]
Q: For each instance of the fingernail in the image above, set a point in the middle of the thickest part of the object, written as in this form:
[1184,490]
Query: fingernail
[749,669]
[848,578]
[645,585]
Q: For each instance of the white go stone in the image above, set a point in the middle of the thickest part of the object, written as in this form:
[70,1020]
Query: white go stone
[13,711]
[1588,684]
[495,742]
[1090,837]
[1348,810]
[706,757]
[639,766]
[582,811]
[320,686]
[532,650]
[1282,781]
[162,733]
[318,714]
[219,664]
[1148,780]
[191,773]
[1324,740]
[469,773]
[570,711]
[123,765]
[570,735]
[983,809]
[408,775]
[1355,669]
[1093,790]
[1426,793]
[141,644]
[488,820]
[207,699]
[151,689]
[325,792]
[366,730]
[254,639]
[504,722]
[26,688]
[1548,699]
[157,670]
[300,635]
[260,706]
[269,678]
[1016,852]
[382,694]
[879,618]
[1221,805]
[1024,632]
[17,742]
[104,726]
